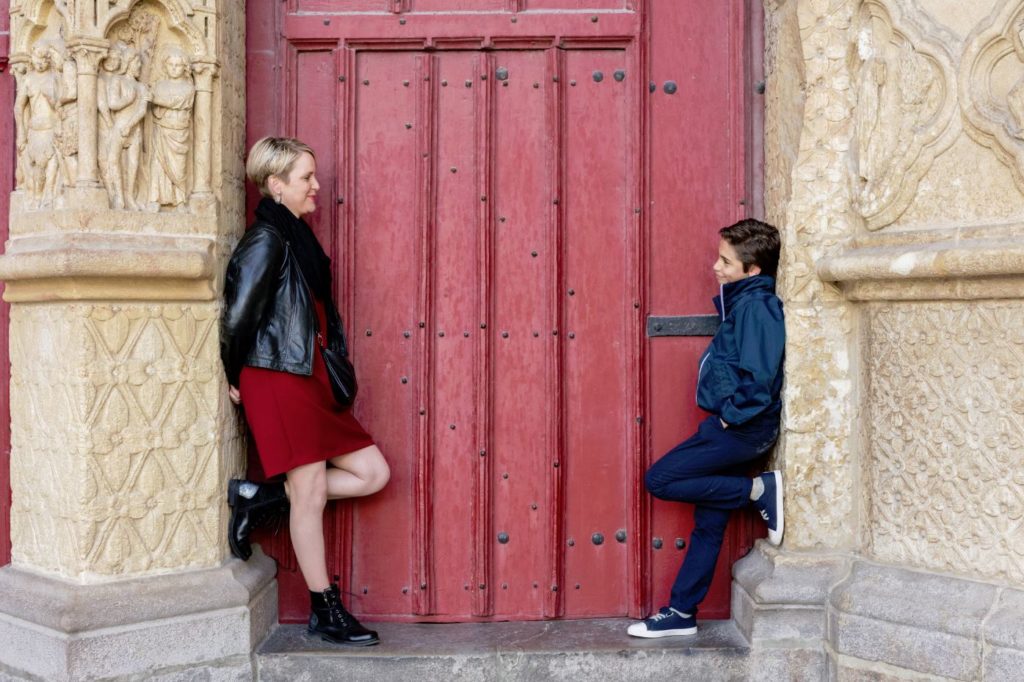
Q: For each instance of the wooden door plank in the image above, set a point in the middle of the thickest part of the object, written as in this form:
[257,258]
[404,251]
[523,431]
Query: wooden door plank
[696,146]
[525,361]
[454,328]
[597,332]
[389,253]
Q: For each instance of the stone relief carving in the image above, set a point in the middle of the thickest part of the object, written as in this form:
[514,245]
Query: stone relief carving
[905,113]
[992,86]
[137,76]
[947,440]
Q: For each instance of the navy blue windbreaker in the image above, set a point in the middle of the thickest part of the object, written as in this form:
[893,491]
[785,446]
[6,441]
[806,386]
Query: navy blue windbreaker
[740,374]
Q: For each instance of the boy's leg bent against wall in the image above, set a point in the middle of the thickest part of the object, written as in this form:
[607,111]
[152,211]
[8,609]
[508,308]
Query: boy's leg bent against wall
[702,469]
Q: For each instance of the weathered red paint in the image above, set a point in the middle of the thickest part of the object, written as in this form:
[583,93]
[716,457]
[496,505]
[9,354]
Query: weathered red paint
[6,186]
[498,246]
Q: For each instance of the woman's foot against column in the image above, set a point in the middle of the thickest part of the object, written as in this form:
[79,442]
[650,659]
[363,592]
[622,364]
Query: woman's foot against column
[330,619]
[252,505]
[769,504]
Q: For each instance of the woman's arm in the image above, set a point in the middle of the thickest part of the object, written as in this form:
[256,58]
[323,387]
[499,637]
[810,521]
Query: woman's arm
[249,283]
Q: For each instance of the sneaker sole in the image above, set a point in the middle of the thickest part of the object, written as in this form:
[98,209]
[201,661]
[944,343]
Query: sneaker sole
[654,634]
[775,536]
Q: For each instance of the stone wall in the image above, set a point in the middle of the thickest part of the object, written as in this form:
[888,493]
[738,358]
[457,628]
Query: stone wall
[894,157]
[901,205]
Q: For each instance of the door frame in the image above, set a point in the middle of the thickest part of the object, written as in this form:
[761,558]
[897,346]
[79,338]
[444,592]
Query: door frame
[281,35]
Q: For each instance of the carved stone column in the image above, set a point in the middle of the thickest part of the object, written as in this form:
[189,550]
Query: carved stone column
[87,53]
[123,438]
[204,74]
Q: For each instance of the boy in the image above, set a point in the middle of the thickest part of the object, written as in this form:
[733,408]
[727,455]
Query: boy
[738,382]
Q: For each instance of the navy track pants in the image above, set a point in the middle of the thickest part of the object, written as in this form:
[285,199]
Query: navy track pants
[708,469]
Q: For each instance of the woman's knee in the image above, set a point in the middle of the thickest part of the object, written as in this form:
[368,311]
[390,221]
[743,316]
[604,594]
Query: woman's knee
[308,488]
[378,477]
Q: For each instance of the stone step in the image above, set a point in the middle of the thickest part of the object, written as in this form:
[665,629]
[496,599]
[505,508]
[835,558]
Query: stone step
[597,649]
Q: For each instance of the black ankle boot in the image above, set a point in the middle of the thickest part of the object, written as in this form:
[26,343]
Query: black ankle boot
[334,623]
[252,505]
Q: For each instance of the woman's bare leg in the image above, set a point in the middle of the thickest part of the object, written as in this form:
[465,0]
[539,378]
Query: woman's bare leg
[356,474]
[307,492]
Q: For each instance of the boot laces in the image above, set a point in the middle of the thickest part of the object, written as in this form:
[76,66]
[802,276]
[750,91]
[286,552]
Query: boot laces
[336,609]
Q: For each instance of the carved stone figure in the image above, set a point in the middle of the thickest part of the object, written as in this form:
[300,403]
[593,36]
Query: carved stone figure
[37,115]
[173,98]
[121,100]
[21,159]
[110,95]
[140,31]
[869,110]
[128,122]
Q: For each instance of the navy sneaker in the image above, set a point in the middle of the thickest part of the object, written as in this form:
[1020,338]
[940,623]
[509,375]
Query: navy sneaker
[770,505]
[666,623]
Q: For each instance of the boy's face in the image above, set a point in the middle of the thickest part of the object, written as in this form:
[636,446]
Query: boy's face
[729,267]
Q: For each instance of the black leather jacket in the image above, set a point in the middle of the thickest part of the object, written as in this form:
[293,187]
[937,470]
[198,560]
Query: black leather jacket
[269,320]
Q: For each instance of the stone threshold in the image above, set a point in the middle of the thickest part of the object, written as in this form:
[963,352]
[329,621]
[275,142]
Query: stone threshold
[535,650]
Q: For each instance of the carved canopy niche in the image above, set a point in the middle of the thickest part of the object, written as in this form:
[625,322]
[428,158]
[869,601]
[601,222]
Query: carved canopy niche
[992,86]
[905,113]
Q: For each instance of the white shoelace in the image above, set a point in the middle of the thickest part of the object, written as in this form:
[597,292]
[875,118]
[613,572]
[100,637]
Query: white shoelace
[671,612]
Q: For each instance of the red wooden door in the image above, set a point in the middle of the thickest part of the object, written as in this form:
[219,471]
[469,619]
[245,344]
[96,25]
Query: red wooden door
[485,176]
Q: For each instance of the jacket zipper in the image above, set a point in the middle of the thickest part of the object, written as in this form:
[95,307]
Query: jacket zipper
[700,370]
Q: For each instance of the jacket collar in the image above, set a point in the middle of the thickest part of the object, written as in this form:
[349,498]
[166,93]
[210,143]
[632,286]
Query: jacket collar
[730,294]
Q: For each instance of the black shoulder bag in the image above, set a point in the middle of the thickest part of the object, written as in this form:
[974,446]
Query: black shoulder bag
[339,369]
[341,372]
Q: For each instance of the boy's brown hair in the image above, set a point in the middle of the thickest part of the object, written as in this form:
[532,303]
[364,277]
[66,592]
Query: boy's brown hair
[756,243]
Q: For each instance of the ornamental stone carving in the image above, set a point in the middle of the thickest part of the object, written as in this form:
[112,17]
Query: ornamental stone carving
[126,474]
[992,86]
[947,441]
[906,109]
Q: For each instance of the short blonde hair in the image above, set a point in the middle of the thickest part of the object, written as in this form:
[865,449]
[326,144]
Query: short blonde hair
[274,156]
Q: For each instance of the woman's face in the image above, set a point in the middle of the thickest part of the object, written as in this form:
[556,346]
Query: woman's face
[298,194]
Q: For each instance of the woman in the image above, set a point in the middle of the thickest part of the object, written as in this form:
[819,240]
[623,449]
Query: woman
[277,308]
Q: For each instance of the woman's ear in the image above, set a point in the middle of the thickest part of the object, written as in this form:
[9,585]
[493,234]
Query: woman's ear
[274,185]
[754,269]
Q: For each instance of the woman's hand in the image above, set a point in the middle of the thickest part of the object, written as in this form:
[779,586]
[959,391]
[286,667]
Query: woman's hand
[235,395]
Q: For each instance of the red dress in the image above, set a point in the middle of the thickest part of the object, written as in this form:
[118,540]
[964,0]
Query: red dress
[294,418]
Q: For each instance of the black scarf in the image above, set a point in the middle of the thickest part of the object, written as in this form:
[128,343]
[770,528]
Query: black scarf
[314,263]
